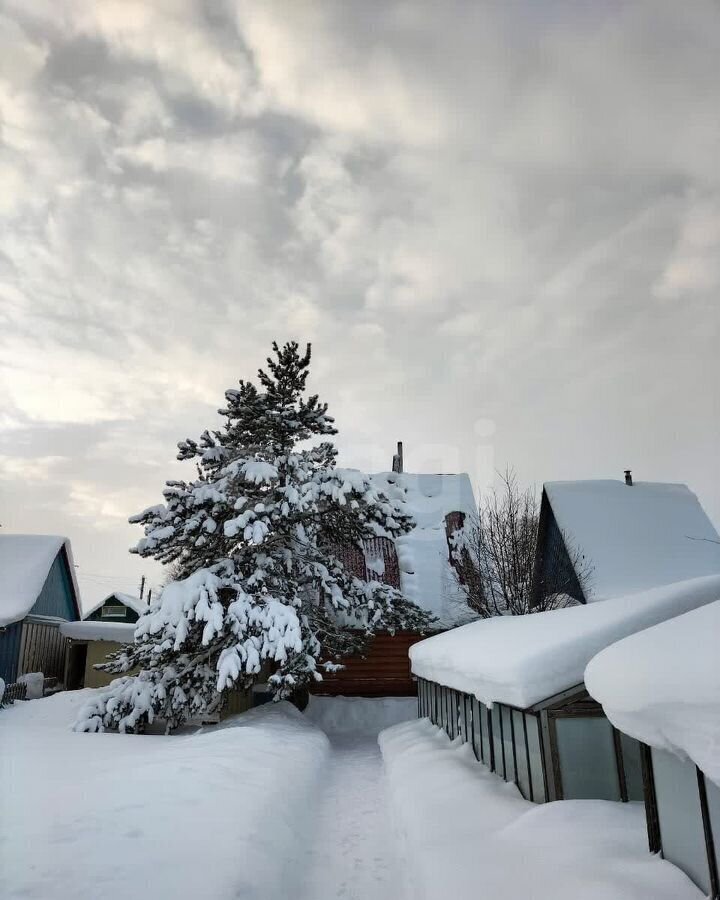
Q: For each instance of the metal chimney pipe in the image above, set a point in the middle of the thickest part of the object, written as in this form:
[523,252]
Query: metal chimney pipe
[397,463]
[628,477]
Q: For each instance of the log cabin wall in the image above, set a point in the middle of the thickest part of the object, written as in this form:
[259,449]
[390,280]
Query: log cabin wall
[383,672]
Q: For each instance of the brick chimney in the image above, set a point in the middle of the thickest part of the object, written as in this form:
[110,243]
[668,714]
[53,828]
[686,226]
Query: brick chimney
[628,477]
[397,463]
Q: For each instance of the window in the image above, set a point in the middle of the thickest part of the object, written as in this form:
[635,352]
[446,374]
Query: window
[633,767]
[532,723]
[680,816]
[507,738]
[497,740]
[484,714]
[586,752]
[713,801]
[521,754]
[113,612]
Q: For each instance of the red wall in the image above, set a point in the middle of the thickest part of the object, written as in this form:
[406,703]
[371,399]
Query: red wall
[383,672]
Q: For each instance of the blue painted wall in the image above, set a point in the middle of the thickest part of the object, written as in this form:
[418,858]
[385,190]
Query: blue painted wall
[55,599]
[9,652]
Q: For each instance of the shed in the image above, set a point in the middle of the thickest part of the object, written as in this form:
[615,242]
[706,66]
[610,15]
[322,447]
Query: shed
[89,643]
[419,564]
[38,591]
[662,687]
[513,687]
[629,536]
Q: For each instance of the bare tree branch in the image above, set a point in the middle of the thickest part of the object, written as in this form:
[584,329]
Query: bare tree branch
[494,556]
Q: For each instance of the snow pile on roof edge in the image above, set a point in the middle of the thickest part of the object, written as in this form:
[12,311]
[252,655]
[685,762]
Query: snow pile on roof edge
[662,686]
[118,632]
[521,660]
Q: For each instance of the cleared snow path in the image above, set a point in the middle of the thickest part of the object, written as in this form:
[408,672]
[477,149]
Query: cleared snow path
[353,853]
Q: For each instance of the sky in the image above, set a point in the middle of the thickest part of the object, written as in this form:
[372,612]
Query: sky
[497,223]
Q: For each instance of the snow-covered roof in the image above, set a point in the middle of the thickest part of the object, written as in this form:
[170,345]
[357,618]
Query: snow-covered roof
[25,561]
[426,576]
[521,660]
[635,536]
[120,632]
[135,603]
[662,686]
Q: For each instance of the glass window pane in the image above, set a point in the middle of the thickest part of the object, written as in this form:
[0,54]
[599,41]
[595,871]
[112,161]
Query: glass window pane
[523,769]
[680,817]
[532,724]
[633,767]
[464,717]
[508,744]
[713,796]
[586,751]
[497,740]
[485,738]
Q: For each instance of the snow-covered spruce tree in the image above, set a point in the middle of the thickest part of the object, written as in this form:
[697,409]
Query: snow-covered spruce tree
[252,545]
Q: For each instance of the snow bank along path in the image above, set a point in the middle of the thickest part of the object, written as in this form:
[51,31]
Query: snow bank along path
[221,813]
[354,849]
[467,834]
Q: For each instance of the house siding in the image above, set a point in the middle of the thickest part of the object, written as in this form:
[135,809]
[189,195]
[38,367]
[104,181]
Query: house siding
[9,651]
[57,597]
[383,671]
[552,561]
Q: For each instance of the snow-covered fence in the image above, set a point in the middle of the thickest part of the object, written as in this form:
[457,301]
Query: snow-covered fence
[19,690]
[13,692]
[561,749]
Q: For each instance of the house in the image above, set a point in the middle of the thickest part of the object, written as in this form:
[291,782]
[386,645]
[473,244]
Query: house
[117,607]
[418,564]
[107,626]
[605,538]
[89,643]
[38,591]
[661,687]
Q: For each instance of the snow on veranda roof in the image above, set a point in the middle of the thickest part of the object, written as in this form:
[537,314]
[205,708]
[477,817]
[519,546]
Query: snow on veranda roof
[25,561]
[662,686]
[634,536]
[426,576]
[521,660]
[134,603]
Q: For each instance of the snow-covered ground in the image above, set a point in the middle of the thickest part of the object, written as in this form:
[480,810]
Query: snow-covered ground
[222,813]
[354,851]
[465,833]
[266,806]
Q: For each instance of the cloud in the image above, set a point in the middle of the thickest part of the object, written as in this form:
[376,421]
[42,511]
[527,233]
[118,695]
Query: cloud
[478,213]
[25,469]
[694,265]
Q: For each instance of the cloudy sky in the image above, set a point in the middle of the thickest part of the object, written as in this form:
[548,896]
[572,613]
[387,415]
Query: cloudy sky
[498,223]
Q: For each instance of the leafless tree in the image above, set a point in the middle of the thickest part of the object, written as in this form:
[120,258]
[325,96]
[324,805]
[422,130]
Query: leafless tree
[495,557]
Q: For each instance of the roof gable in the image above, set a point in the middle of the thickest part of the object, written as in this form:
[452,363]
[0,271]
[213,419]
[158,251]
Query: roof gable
[634,537]
[25,563]
[426,576]
[134,603]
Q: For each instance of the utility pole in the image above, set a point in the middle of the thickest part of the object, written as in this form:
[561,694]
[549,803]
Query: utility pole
[142,586]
